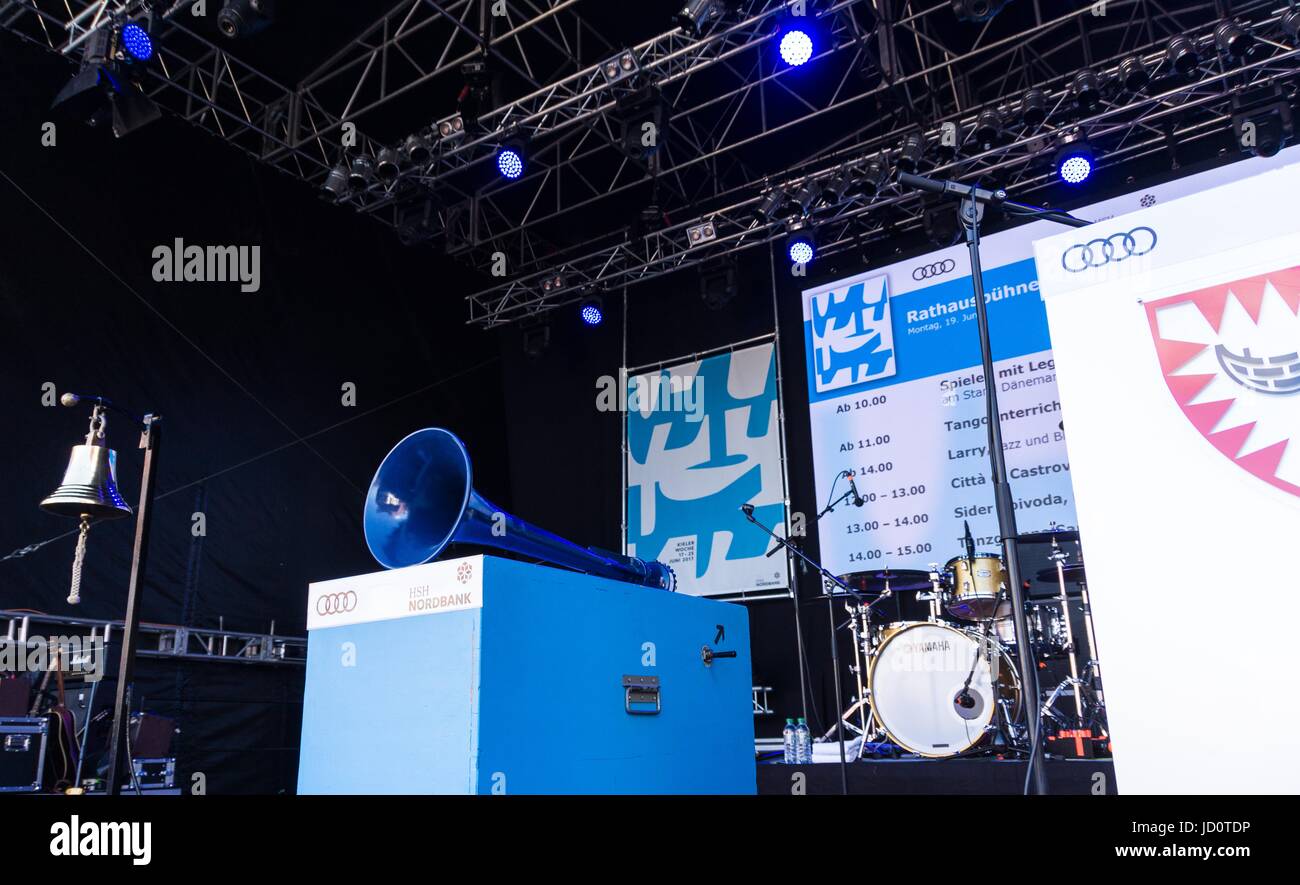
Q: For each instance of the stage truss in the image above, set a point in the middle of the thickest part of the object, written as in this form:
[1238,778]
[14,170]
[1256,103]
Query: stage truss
[884,68]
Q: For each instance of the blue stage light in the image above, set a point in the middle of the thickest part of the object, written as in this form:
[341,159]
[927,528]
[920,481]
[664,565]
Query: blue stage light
[796,47]
[591,313]
[510,162]
[136,42]
[1075,169]
[801,249]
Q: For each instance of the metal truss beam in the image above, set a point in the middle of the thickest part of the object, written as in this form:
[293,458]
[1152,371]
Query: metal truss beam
[159,640]
[1127,126]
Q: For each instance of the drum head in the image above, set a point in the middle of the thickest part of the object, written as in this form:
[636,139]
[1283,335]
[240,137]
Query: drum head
[916,686]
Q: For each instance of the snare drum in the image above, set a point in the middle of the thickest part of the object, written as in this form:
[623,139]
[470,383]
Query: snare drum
[977,588]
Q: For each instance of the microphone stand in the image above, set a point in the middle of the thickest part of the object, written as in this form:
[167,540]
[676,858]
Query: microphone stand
[971,212]
[828,580]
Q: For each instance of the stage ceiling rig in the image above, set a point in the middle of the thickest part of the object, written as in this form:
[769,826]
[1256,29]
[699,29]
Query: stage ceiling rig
[593,211]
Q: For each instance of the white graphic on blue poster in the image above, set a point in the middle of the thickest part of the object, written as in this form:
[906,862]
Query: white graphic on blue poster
[852,332]
[694,459]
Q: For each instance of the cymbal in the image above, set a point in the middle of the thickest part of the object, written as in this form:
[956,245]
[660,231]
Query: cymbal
[1046,536]
[899,580]
[1073,573]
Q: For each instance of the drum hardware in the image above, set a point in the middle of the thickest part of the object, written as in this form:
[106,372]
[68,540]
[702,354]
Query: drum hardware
[829,582]
[1058,556]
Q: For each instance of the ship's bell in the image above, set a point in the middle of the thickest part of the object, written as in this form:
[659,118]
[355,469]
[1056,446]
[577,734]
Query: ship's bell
[89,486]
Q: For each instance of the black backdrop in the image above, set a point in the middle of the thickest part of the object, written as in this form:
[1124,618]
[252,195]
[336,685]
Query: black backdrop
[250,384]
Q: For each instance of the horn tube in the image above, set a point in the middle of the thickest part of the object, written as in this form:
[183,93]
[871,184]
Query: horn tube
[422,499]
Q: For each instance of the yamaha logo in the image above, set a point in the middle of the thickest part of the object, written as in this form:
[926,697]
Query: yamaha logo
[937,269]
[1114,248]
[336,603]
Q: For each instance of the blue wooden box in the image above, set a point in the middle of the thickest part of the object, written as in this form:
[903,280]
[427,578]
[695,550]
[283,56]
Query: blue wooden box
[486,675]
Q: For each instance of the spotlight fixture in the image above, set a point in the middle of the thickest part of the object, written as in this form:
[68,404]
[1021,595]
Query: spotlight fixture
[1033,108]
[1086,89]
[838,186]
[699,234]
[361,171]
[451,127]
[1262,122]
[1133,74]
[718,284]
[803,198]
[388,164]
[988,127]
[796,45]
[336,182]
[592,311]
[1291,24]
[510,159]
[912,152]
[696,15]
[135,42]
[800,242]
[243,18]
[552,284]
[642,117]
[1234,41]
[416,150]
[874,178]
[620,67]
[771,201]
[1074,159]
[976,10]
[481,92]
[1182,56]
[536,338]
[107,83]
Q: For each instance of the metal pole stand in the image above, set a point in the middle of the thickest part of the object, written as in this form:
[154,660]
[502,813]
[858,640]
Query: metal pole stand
[972,212]
[150,440]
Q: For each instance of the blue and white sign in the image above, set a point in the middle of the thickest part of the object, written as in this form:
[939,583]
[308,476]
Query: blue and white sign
[896,393]
[703,439]
[852,333]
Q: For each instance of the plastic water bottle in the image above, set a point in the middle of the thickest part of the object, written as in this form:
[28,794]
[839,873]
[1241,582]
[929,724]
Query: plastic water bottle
[788,735]
[803,743]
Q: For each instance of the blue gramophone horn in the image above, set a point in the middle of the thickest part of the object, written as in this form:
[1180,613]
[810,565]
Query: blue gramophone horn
[422,498]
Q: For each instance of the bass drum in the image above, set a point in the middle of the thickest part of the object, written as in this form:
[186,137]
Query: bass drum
[916,680]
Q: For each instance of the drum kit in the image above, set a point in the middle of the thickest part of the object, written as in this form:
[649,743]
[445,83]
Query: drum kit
[934,655]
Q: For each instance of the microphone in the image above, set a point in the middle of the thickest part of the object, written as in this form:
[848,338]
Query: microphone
[72,399]
[858,500]
[970,541]
[747,509]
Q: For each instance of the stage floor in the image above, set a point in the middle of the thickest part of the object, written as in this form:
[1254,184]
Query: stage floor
[930,777]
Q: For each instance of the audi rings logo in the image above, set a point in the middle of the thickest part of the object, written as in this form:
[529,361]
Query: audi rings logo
[336,603]
[938,269]
[1116,247]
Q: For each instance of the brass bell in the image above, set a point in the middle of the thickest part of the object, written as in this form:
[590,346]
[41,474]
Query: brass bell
[89,486]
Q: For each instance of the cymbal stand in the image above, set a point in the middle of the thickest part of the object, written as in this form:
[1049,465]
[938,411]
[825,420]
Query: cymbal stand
[861,700]
[1093,668]
[935,596]
[1059,556]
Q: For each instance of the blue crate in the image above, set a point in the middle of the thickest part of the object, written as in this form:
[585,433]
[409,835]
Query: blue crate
[486,675]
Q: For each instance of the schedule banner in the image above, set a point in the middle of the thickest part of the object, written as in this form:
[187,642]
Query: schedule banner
[703,438]
[896,395]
